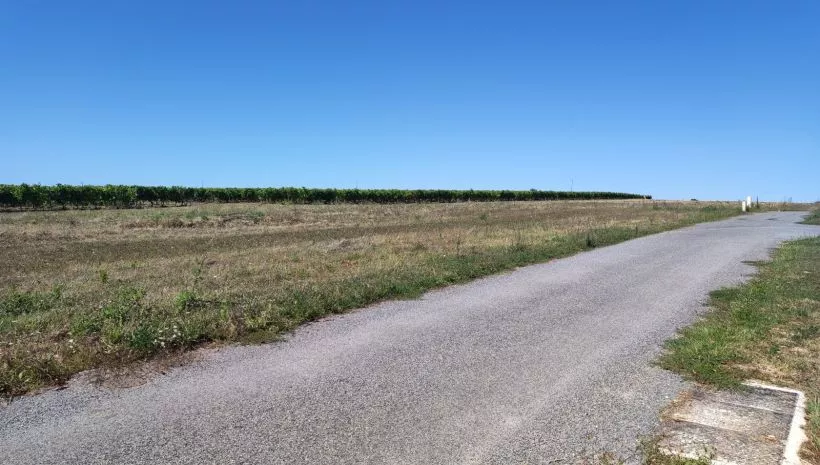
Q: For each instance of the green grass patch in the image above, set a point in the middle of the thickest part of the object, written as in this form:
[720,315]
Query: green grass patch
[16,303]
[813,218]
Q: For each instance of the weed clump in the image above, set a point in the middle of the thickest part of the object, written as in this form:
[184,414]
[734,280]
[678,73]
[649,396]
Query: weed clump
[16,303]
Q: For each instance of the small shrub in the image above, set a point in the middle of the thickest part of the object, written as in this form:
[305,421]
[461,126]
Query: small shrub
[143,338]
[185,301]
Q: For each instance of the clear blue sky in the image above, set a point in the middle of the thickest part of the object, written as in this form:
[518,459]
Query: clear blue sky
[679,99]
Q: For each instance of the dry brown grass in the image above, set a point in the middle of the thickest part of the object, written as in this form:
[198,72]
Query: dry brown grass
[274,243]
[90,288]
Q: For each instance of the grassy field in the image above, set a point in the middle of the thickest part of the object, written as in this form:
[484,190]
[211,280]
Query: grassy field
[80,289]
[767,329]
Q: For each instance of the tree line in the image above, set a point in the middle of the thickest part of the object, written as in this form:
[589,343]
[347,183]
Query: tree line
[61,196]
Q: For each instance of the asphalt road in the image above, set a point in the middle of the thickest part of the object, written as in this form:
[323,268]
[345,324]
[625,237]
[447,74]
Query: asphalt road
[546,364]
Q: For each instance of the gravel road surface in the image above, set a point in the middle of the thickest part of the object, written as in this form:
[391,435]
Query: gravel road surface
[547,364]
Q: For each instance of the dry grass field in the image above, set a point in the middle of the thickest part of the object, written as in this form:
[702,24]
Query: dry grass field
[80,289]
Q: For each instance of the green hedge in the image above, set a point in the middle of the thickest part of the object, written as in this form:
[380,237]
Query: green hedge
[64,196]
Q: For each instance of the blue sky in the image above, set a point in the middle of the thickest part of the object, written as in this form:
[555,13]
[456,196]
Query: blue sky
[679,99]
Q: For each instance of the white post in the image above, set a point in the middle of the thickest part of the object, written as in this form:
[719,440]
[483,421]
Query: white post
[743,205]
[749,202]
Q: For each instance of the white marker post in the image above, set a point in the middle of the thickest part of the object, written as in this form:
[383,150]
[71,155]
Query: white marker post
[743,205]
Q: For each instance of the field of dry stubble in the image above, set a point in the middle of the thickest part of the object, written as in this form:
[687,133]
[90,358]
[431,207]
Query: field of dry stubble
[87,288]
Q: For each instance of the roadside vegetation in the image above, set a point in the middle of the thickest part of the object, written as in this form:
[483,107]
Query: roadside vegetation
[813,218]
[62,196]
[767,329]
